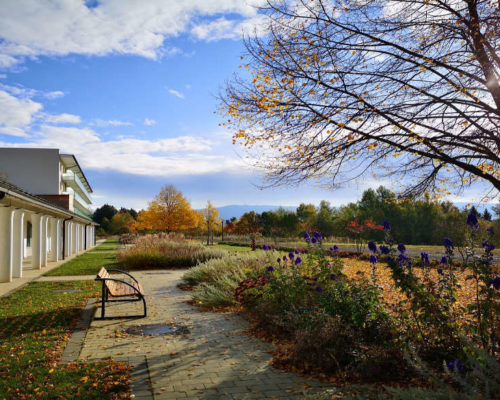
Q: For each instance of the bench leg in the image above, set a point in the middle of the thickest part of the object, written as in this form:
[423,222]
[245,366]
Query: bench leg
[144,303]
[103,299]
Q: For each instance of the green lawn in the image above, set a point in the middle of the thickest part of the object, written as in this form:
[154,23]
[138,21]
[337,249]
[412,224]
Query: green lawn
[90,262]
[108,245]
[232,248]
[35,322]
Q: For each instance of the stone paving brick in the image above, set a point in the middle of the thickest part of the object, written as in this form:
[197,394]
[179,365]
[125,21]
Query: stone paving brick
[215,360]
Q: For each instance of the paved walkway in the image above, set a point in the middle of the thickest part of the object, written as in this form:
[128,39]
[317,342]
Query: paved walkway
[215,360]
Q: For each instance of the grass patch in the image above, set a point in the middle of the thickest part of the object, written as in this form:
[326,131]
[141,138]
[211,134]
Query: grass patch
[35,322]
[233,248]
[108,245]
[90,262]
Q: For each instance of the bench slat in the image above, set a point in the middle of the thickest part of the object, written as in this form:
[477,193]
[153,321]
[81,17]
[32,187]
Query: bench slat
[118,289]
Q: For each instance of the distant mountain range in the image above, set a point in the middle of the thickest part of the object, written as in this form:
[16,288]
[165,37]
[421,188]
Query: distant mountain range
[237,210]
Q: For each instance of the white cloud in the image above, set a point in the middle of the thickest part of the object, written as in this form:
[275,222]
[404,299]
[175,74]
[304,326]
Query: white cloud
[59,27]
[111,122]
[176,93]
[54,95]
[16,114]
[149,122]
[184,155]
[3,76]
[223,28]
[63,119]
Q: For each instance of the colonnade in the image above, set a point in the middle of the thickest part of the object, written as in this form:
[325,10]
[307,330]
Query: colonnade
[48,238]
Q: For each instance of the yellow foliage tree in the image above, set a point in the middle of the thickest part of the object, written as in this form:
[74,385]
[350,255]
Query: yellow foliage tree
[209,221]
[169,211]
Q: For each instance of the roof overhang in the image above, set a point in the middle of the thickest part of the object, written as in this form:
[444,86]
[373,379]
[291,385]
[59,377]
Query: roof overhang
[13,196]
[70,162]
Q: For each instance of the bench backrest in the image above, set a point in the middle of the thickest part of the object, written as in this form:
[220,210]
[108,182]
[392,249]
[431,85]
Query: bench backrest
[104,274]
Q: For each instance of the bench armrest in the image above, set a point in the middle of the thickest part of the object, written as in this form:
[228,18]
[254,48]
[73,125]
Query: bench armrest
[122,272]
[119,280]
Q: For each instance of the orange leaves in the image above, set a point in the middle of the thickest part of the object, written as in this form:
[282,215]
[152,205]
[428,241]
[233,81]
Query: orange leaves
[169,211]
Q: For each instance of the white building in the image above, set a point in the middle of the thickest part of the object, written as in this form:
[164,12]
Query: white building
[44,209]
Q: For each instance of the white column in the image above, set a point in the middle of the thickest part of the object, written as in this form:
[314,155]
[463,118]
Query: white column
[18,244]
[67,239]
[86,237]
[36,241]
[6,236]
[74,248]
[92,233]
[60,239]
[82,238]
[54,239]
[44,224]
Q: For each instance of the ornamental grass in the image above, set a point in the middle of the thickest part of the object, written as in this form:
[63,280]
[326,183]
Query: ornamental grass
[156,251]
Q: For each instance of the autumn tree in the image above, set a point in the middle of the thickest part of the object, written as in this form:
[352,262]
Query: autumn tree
[121,223]
[408,89]
[210,222]
[169,211]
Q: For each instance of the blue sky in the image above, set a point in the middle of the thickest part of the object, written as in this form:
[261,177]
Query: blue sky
[129,87]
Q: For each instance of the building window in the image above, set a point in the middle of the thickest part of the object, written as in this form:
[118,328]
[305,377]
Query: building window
[29,234]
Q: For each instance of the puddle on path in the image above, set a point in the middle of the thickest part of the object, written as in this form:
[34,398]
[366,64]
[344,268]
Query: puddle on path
[157,329]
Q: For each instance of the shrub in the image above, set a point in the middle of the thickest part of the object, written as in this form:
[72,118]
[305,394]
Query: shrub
[159,252]
[216,280]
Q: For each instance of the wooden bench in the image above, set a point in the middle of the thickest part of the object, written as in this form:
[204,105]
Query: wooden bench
[119,289]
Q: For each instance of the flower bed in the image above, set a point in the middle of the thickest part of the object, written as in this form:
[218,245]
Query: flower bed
[364,321]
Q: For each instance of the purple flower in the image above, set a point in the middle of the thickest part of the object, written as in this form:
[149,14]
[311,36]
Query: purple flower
[318,236]
[440,271]
[297,251]
[315,279]
[424,258]
[270,269]
[444,260]
[488,247]
[372,246]
[489,231]
[401,248]
[472,221]
[278,260]
[386,225]
[373,259]
[307,237]
[318,289]
[285,259]
[384,249]
[291,255]
[265,247]
[314,240]
[448,243]
[298,260]
[335,247]
[456,364]
[402,259]
[334,277]
[495,282]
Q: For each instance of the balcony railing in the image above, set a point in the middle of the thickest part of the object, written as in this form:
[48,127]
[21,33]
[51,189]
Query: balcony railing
[72,180]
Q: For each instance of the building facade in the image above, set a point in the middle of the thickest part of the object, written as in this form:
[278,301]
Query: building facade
[45,213]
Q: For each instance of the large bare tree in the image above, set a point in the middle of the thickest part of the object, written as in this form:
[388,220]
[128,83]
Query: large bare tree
[339,88]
